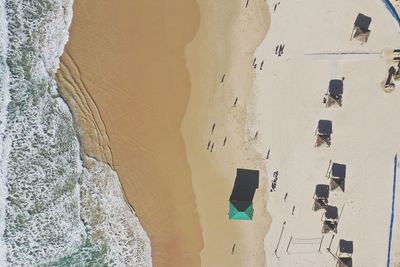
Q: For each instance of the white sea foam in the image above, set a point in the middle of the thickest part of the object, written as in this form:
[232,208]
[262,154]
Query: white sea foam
[5,142]
[53,211]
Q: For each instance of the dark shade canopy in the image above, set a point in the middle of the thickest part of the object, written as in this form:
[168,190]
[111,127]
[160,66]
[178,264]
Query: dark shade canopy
[346,246]
[241,200]
[331,212]
[246,183]
[335,87]
[322,191]
[338,170]
[324,127]
[362,22]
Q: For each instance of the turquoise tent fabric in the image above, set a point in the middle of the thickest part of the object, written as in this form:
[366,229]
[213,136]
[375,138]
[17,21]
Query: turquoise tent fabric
[239,214]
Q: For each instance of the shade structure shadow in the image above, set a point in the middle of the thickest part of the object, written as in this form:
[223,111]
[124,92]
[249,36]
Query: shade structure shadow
[344,262]
[337,174]
[324,131]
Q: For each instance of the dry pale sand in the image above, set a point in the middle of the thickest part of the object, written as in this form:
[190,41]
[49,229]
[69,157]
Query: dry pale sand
[228,35]
[365,135]
[124,76]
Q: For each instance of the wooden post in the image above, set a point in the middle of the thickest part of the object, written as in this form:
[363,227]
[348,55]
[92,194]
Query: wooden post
[351,36]
[287,249]
[330,244]
[329,167]
[336,257]
[320,244]
[340,215]
[280,237]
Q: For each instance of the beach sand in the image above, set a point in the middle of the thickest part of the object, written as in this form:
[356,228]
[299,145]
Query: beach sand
[224,45]
[124,76]
[365,131]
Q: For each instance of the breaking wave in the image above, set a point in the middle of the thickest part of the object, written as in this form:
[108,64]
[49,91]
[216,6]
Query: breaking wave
[54,210]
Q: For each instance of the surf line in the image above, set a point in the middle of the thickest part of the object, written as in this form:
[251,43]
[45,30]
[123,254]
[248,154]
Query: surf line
[392,215]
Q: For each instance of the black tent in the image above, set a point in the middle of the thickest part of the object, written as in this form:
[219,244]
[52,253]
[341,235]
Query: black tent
[338,171]
[324,131]
[345,253]
[362,22]
[331,219]
[335,88]
[361,28]
[338,175]
[345,246]
[321,196]
[321,191]
[331,213]
[241,199]
[324,127]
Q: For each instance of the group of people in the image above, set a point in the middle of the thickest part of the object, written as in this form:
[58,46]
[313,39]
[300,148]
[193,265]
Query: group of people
[279,49]
[276,5]
[274,181]
[210,145]
[255,63]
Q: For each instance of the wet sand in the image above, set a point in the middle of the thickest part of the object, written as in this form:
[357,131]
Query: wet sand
[124,76]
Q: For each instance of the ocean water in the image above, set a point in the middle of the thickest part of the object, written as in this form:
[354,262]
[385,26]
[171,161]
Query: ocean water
[54,210]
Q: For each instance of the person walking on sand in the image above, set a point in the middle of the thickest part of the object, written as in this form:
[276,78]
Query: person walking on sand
[212,147]
[223,77]
[224,141]
[284,199]
[236,100]
[294,207]
[256,135]
[213,127]
[208,145]
[262,63]
[233,248]
[276,49]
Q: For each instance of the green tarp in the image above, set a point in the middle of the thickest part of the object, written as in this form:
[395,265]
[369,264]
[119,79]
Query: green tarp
[236,213]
